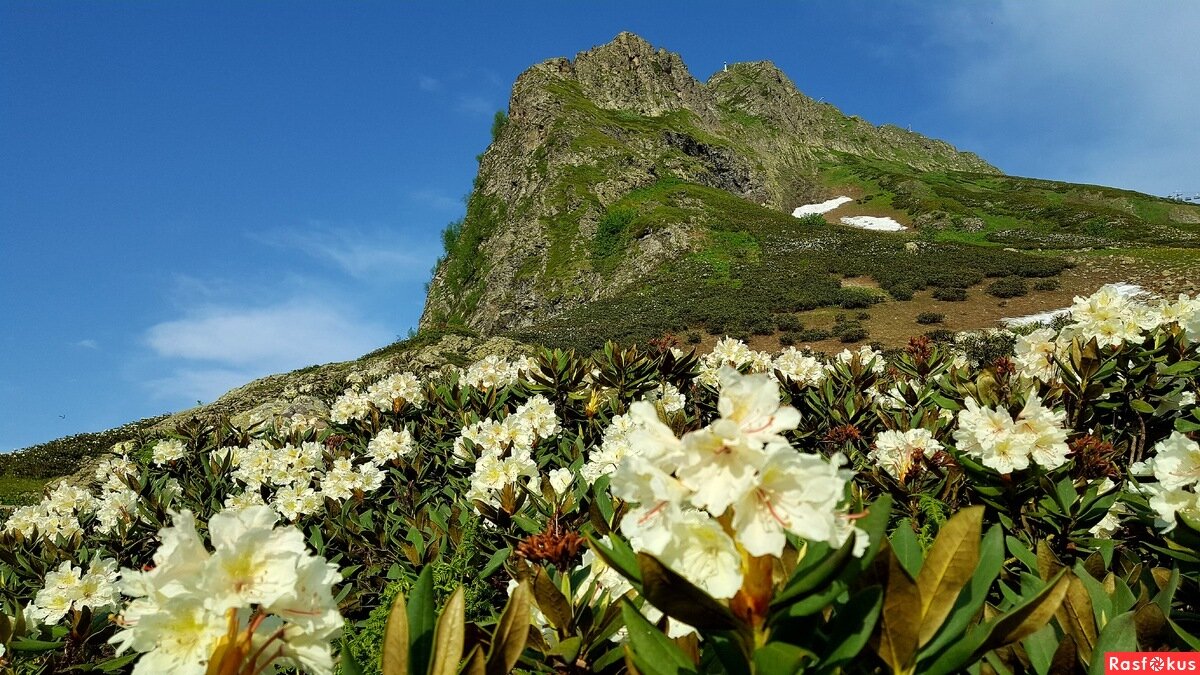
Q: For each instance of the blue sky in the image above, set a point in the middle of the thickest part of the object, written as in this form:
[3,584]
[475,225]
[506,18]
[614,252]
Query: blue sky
[195,194]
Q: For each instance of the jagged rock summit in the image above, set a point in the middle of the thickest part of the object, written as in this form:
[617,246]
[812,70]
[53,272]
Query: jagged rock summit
[540,235]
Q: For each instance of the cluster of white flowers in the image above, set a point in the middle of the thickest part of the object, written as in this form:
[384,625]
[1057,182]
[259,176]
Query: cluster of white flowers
[1006,444]
[800,367]
[259,578]
[300,476]
[1176,467]
[168,450]
[864,355]
[669,396]
[614,446]
[898,451]
[383,395]
[506,448]
[739,463]
[1033,354]
[734,353]
[57,515]
[69,587]
[495,372]
[1113,316]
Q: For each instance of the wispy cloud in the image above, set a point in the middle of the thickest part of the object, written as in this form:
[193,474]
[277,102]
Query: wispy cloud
[374,253]
[88,344]
[1116,79]
[476,105]
[427,83]
[436,199]
[293,334]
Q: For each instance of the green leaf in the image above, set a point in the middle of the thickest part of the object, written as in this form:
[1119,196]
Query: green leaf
[27,645]
[618,556]
[679,599]
[422,621]
[852,627]
[901,620]
[811,574]
[1141,406]
[450,637]
[551,600]
[1040,647]
[349,666]
[1022,553]
[495,562]
[1118,636]
[652,652]
[1190,640]
[906,548]
[947,568]
[512,632]
[970,600]
[779,658]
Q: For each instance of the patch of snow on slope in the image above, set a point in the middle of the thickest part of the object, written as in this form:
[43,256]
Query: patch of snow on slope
[873,223]
[820,207]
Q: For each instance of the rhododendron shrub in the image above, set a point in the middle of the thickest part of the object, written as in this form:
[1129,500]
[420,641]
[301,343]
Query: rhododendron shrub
[736,498]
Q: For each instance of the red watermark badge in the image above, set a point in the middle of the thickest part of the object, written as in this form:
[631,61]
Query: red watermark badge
[1151,662]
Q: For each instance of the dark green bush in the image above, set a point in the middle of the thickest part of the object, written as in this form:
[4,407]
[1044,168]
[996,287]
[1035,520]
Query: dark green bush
[813,335]
[787,339]
[926,318]
[854,334]
[901,292]
[856,298]
[942,335]
[787,322]
[950,294]
[1048,284]
[693,338]
[862,316]
[1008,287]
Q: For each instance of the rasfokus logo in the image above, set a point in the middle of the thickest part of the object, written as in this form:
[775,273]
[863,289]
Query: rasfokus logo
[1151,662]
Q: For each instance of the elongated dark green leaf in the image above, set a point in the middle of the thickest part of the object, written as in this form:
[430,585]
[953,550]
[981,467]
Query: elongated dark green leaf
[422,621]
[512,632]
[652,652]
[947,568]
[551,600]
[906,548]
[810,575]
[618,556]
[1118,636]
[1040,647]
[679,599]
[852,627]
[450,636]
[349,665]
[495,562]
[779,658]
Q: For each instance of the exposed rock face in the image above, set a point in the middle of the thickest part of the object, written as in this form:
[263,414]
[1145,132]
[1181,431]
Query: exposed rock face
[584,134]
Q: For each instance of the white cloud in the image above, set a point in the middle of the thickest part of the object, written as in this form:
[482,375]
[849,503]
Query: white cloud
[1106,92]
[436,199]
[88,344]
[267,339]
[361,253]
[476,105]
[190,386]
[427,83]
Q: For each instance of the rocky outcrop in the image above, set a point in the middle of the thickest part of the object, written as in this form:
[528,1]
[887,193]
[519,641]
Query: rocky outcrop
[584,134]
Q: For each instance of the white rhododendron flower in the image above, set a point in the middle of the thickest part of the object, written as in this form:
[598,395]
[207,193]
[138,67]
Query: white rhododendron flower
[181,608]
[700,550]
[898,451]
[1176,462]
[1111,316]
[168,450]
[799,367]
[865,356]
[1033,354]
[561,480]
[1006,444]
[397,387]
[389,444]
[69,587]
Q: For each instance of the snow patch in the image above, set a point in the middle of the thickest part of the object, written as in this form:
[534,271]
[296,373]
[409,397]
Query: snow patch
[873,223]
[1124,289]
[820,207]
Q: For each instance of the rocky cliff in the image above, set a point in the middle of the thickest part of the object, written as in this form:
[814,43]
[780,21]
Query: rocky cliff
[545,229]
